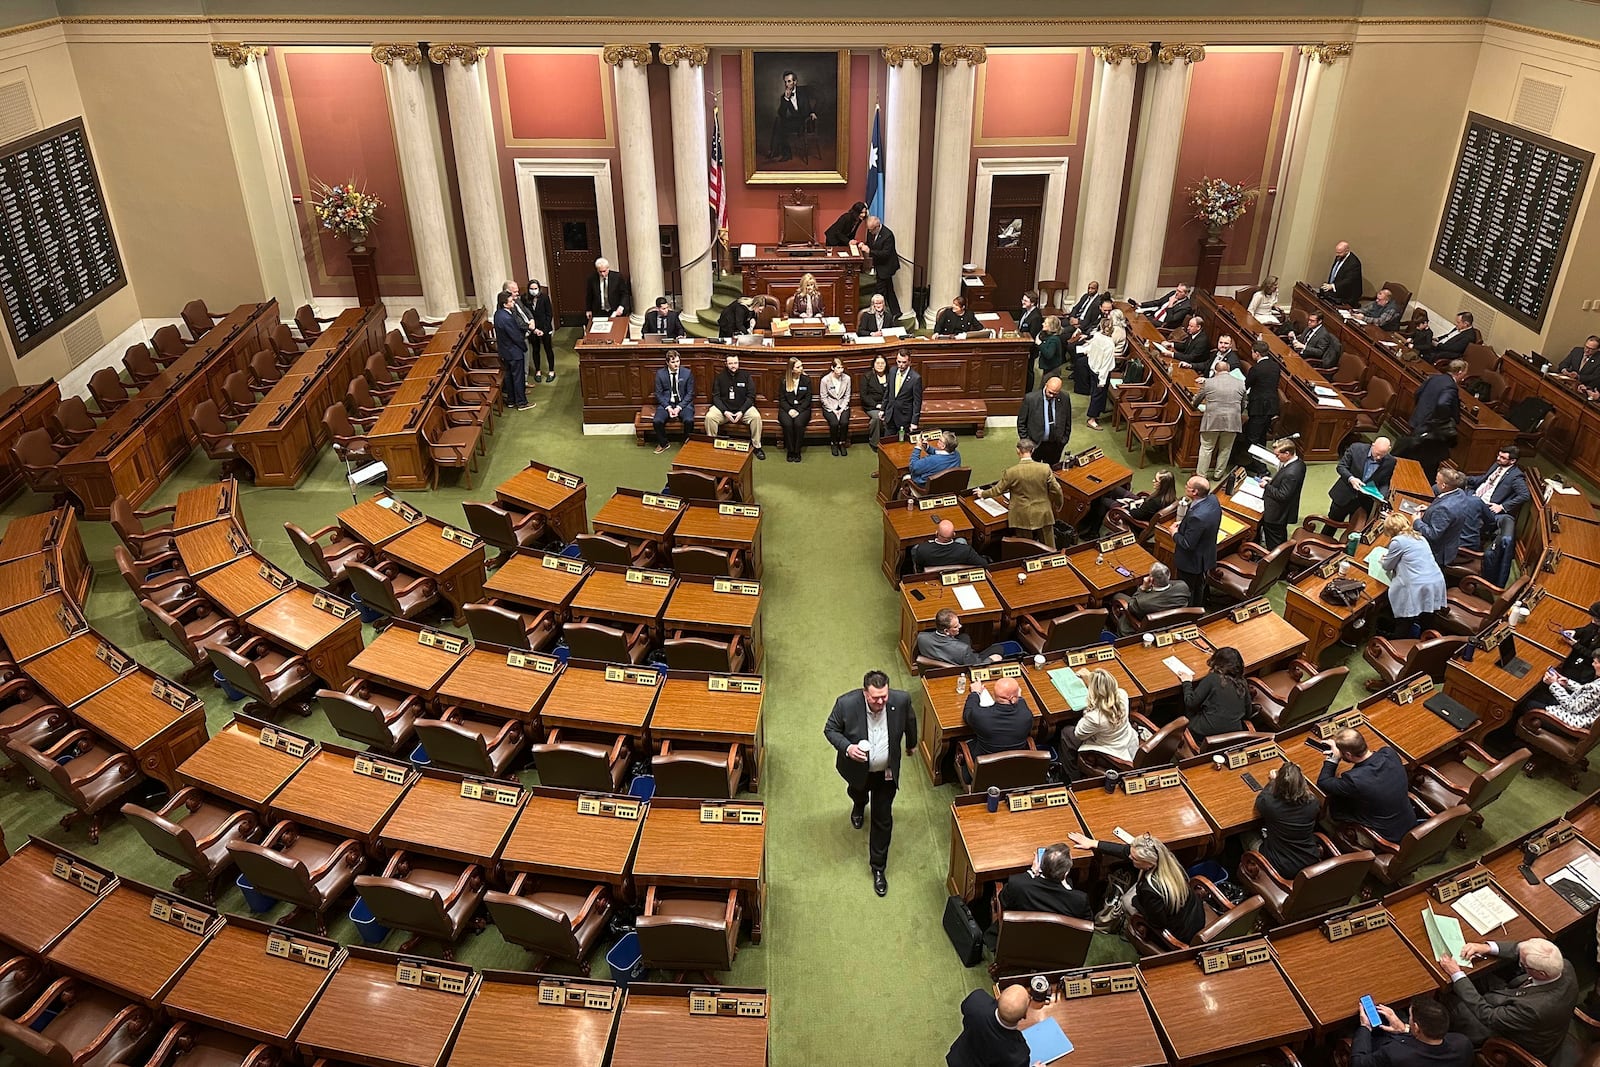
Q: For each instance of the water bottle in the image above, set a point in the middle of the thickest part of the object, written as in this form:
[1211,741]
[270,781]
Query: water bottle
[961,685]
[1352,543]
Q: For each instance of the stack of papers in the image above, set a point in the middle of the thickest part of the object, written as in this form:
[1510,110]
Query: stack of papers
[1249,496]
[1178,667]
[971,281]
[1071,687]
[1229,527]
[988,316]
[894,331]
[968,598]
[1484,909]
[1444,936]
[1375,563]
[1323,390]
[600,326]
[992,506]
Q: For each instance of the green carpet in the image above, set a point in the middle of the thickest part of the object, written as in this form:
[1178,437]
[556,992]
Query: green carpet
[846,970]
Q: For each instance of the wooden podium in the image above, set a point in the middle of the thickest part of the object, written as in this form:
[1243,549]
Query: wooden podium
[776,271]
[364,266]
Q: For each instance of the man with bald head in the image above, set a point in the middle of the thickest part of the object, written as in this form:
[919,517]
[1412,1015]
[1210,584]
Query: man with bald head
[946,644]
[1344,276]
[991,1030]
[1002,724]
[1371,791]
[1361,465]
[945,550]
[1195,539]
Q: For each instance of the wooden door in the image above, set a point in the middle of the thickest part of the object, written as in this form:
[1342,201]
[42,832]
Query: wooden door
[571,225]
[1012,256]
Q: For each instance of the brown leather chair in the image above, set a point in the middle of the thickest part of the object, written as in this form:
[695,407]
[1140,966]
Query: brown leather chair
[349,444]
[29,717]
[471,744]
[1425,842]
[331,563]
[94,1028]
[505,529]
[272,677]
[216,439]
[169,344]
[1031,941]
[191,1045]
[1224,920]
[143,541]
[688,771]
[607,644]
[362,406]
[1147,426]
[1475,603]
[1447,780]
[107,390]
[1328,883]
[39,461]
[1159,747]
[689,931]
[603,548]
[191,628]
[416,328]
[71,423]
[1397,658]
[553,918]
[307,869]
[587,765]
[193,830]
[238,399]
[467,407]
[1375,410]
[716,562]
[704,654]
[1020,548]
[477,386]
[391,589]
[451,446]
[380,378]
[139,364]
[697,485]
[1567,747]
[1194,745]
[1250,573]
[167,589]
[82,771]
[1298,694]
[309,323]
[262,372]
[198,318]
[1073,628]
[1002,770]
[390,729]
[22,979]
[285,349]
[428,897]
[494,623]
[401,354]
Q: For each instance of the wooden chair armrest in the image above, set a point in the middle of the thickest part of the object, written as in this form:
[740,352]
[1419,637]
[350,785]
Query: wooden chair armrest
[1256,862]
[616,747]
[66,743]
[511,730]
[57,989]
[1425,771]
[411,700]
[1534,720]
[135,1017]
[588,905]
[292,663]
[410,586]
[147,513]
[334,529]
[1329,848]
[471,878]
[1252,552]
[1364,837]
[1476,751]
[106,765]
[348,853]
[182,798]
[242,818]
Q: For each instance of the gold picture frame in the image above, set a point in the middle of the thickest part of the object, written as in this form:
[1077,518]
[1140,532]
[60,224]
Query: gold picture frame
[805,149]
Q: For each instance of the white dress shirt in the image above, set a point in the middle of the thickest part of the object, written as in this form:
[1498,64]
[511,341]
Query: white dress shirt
[877,745]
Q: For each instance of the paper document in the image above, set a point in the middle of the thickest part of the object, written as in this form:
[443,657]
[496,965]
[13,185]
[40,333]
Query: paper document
[600,326]
[971,281]
[1484,909]
[1071,687]
[1257,452]
[866,339]
[1178,667]
[1444,936]
[629,341]
[1323,390]
[993,507]
[1375,563]
[1346,315]
[1229,527]
[968,598]
[1046,1041]
[988,316]
[747,251]
[1329,402]
[1587,867]
[1389,344]
[895,331]
[1249,497]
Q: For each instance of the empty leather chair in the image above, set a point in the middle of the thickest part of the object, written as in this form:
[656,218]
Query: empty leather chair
[1224,920]
[553,918]
[608,644]
[719,656]
[30,717]
[362,406]
[1328,883]
[391,730]
[697,485]
[401,354]
[238,399]
[467,407]
[305,868]
[92,1028]
[1295,695]
[82,770]
[469,744]
[480,386]
[1476,602]
[22,979]
[714,562]
[191,1045]
[350,445]
[692,771]
[1397,658]
[392,590]
[166,588]
[140,365]
[1159,747]
[494,623]
[380,378]
[309,323]
[1396,861]
[143,541]
[191,628]
[451,446]
[428,897]
[1447,780]
[503,528]
[262,372]
[1250,573]
[589,765]
[1567,747]
[272,677]
[330,563]
[286,350]
[217,440]
[107,390]
[1040,941]
[603,548]
[1071,629]
[38,459]
[197,318]
[416,328]
[689,931]
[1002,770]
[193,830]
[169,345]
[70,423]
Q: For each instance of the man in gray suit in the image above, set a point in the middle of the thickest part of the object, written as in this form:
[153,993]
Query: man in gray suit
[945,643]
[867,727]
[1158,592]
[1531,1010]
[1222,396]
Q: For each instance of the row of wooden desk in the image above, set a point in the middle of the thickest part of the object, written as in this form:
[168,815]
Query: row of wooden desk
[22,408]
[416,411]
[1571,431]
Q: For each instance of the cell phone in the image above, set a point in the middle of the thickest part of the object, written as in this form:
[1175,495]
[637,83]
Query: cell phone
[1527,874]
[917,594]
[1250,780]
[1312,742]
[1370,1010]
[1125,572]
[1038,857]
[1122,835]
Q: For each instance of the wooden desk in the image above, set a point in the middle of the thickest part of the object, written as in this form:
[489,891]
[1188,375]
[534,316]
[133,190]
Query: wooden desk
[583,699]
[1234,531]
[894,463]
[1331,977]
[208,546]
[397,658]
[688,710]
[1406,906]
[38,626]
[1547,908]
[1044,593]
[434,818]
[1145,665]
[552,838]
[1321,621]
[120,946]
[677,849]
[1098,570]
[27,579]
[458,570]
[1488,689]
[1108,1029]
[656,1030]
[627,516]
[903,528]
[328,643]
[238,588]
[730,461]
[158,735]
[70,672]
[1263,641]
[234,984]
[777,270]
[1169,815]
[237,767]
[990,846]
[22,408]
[539,580]
[364,1016]
[1292,743]
[207,503]
[562,498]
[396,438]
[923,596]
[1082,486]
[699,608]
[327,794]
[1419,734]
[1227,800]
[506,1024]
[56,534]
[608,596]
[375,521]
[1209,1016]
[1410,480]
[714,526]
[484,681]
[36,907]
[1053,706]
[940,719]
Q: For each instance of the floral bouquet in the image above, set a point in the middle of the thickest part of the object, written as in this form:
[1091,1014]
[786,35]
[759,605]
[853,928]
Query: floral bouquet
[346,211]
[1218,202]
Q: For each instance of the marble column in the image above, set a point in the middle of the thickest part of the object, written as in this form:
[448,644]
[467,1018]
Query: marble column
[691,161]
[1117,67]
[902,150]
[477,168]
[952,163]
[1289,246]
[425,203]
[640,217]
[1168,96]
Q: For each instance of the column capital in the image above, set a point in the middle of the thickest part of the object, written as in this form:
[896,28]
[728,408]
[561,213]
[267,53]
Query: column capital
[618,54]
[1114,54]
[972,54]
[385,54]
[237,54]
[466,54]
[1326,54]
[918,55]
[696,55]
[1189,53]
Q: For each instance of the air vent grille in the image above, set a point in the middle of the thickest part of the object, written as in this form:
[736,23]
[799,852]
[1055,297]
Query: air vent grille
[17,117]
[1537,104]
[83,338]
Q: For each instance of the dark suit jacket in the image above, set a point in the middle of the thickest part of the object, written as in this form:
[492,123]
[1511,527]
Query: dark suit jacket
[1281,494]
[1347,282]
[1146,602]
[843,229]
[1446,519]
[1087,303]
[685,388]
[1438,404]
[1024,892]
[904,408]
[1174,316]
[670,324]
[1510,494]
[618,294]
[951,322]
[539,310]
[1453,346]
[510,336]
[1322,348]
[983,1041]
[735,320]
[1195,542]
[957,553]
[885,260]
[1534,1017]
[1372,793]
[1574,361]
[847,724]
[1262,383]
[1353,464]
[869,324]
[1030,419]
[999,727]
[1379,1048]
[1031,322]
[1194,349]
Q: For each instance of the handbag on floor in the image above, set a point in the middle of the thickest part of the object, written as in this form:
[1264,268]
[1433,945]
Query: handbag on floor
[1112,915]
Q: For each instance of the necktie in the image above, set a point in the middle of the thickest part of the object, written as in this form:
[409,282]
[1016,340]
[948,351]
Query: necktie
[603,304]
[674,390]
[1486,490]
[1334,273]
[1049,416]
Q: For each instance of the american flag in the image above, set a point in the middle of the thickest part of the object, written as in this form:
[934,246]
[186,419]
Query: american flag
[719,192]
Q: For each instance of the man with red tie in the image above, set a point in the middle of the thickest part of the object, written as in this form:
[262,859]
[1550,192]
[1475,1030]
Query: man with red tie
[1168,311]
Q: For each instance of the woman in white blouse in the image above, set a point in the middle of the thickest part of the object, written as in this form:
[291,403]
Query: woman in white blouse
[1102,357]
[1103,726]
[1264,305]
[1575,705]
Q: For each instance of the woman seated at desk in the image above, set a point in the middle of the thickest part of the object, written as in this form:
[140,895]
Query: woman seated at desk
[807,302]
[1219,702]
[957,319]
[1264,305]
[1288,810]
[1141,509]
[1575,705]
[1103,726]
[1416,584]
[1160,891]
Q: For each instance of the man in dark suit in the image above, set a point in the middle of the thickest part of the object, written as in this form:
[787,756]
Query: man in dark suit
[1086,307]
[1281,495]
[1531,1010]
[1433,418]
[946,644]
[795,107]
[674,399]
[1261,401]
[663,320]
[1030,324]
[1224,353]
[1046,886]
[1503,489]
[1453,510]
[1157,592]
[945,550]
[608,295]
[1372,790]
[1194,347]
[902,408]
[510,342]
[1426,1042]
[843,230]
[535,303]
[1584,358]
[1452,344]
[875,319]
[1003,726]
[1195,540]
[991,1034]
[1167,311]
[1320,347]
[867,728]
[1046,419]
[1344,276]
[1362,464]
[885,261]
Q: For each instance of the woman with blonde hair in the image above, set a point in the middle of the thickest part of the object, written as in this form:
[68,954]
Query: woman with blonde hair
[1264,304]
[1103,726]
[1051,355]
[1102,356]
[1416,584]
[807,302]
[794,409]
[1160,892]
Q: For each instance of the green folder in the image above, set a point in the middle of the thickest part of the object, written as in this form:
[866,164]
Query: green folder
[1444,936]
[1071,687]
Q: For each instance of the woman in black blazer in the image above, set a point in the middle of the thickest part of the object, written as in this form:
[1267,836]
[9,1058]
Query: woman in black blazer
[1288,810]
[1160,893]
[1219,702]
[794,409]
[536,302]
[874,393]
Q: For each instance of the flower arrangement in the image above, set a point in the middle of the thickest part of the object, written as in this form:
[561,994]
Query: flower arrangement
[346,211]
[1219,202]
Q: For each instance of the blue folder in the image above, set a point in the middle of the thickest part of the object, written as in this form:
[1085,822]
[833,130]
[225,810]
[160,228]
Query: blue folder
[1046,1042]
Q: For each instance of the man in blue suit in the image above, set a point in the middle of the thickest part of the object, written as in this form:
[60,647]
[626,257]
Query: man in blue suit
[1503,490]
[674,399]
[1452,511]
[1195,541]
[511,342]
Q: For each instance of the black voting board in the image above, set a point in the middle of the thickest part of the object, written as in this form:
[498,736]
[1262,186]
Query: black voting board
[1512,206]
[58,256]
